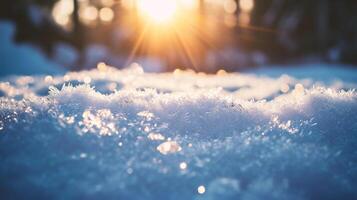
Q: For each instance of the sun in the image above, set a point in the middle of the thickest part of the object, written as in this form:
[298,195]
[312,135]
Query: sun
[158,11]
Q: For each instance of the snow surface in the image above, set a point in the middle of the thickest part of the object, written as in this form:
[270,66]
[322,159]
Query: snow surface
[126,134]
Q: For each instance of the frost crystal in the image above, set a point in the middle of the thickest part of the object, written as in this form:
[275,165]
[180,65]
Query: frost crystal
[168,147]
[101,122]
[156,136]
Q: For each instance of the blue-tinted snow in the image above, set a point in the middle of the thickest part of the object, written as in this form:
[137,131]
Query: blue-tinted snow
[327,73]
[21,59]
[110,134]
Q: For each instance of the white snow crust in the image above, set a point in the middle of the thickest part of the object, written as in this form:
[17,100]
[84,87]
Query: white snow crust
[126,134]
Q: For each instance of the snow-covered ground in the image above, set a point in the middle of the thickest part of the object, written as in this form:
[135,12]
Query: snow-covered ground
[111,134]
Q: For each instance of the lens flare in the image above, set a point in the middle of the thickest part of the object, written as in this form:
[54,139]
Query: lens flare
[158,11]
[246,5]
[106,14]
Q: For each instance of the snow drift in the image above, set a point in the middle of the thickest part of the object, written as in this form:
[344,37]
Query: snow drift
[127,134]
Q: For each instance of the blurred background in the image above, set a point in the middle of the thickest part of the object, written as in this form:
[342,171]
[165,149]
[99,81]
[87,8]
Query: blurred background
[163,35]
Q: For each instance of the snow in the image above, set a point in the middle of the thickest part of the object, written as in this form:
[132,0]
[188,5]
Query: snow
[127,134]
[321,72]
[22,59]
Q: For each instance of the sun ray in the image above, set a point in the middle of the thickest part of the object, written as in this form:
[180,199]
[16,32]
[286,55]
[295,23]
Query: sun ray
[137,45]
[186,49]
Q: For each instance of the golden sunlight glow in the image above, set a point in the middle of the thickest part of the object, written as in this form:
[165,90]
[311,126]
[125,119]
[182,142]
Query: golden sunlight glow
[102,67]
[168,147]
[230,20]
[88,14]
[128,4]
[230,6]
[244,18]
[107,3]
[62,11]
[246,5]
[48,79]
[189,4]
[158,11]
[179,30]
[106,14]
[221,72]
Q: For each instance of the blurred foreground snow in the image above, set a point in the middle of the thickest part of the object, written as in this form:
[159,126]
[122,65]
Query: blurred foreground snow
[110,134]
